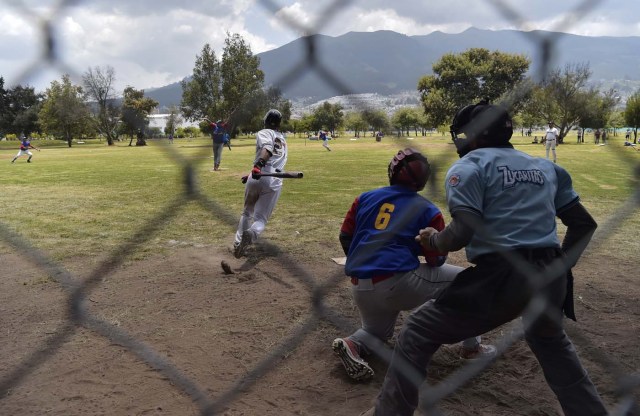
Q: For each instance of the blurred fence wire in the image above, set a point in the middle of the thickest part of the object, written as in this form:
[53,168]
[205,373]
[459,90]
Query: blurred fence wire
[79,316]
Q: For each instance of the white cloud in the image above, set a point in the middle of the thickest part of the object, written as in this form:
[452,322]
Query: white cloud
[388,19]
[295,16]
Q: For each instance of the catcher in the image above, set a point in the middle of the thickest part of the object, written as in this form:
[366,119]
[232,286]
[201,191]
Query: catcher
[377,236]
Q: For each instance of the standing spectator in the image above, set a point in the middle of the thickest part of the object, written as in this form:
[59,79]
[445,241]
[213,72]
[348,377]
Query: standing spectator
[324,136]
[503,204]
[262,192]
[379,135]
[550,140]
[604,136]
[580,140]
[596,135]
[25,145]
[377,235]
[217,136]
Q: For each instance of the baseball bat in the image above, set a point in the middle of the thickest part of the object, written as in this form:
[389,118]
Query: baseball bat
[291,175]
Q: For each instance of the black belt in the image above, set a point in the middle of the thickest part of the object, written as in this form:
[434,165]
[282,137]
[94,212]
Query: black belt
[530,254]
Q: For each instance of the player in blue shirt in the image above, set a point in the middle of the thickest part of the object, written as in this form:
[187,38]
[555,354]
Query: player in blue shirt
[25,145]
[218,130]
[378,237]
[503,204]
[324,136]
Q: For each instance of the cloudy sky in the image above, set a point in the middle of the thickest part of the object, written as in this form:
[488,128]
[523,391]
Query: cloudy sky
[151,43]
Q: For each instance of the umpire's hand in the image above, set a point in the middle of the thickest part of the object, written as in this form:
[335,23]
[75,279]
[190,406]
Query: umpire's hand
[424,238]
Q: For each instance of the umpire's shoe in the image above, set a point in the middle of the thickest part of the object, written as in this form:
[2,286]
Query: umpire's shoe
[238,249]
[356,367]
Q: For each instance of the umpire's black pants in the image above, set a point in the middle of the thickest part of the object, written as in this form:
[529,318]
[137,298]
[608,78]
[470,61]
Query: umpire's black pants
[481,298]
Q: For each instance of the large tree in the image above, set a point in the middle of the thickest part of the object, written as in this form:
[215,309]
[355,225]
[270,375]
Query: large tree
[19,107]
[632,114]
[98,86]
[327,117]
[249,116]
[376,119]
[4,109]
[135,109]
[406,118]
[561,98]
[467,77]
[201,95]
[354,121]
[241,74]
[597,108]
[229,88]
[64,112]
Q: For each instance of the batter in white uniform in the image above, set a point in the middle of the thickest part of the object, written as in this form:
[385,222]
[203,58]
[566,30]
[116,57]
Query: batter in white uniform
[262,192]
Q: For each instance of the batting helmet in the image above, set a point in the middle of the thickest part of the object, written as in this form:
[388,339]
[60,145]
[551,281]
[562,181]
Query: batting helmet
[409,168]
[272,119]
[483,125]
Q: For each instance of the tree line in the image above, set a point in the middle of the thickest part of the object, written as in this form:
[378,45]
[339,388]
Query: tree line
[230,87]
[563,97]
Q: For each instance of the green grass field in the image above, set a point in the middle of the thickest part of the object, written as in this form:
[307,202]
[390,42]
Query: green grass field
[89,200]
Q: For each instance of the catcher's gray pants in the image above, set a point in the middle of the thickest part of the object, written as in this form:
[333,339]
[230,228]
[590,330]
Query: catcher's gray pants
[380,304]
[454,316]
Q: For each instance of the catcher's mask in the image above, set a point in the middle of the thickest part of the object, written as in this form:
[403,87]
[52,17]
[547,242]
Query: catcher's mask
[272,119]
[480,125]
[409,168]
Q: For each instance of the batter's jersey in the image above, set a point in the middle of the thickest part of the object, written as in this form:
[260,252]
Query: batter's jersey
[275,142]
[383,224]
[516,195]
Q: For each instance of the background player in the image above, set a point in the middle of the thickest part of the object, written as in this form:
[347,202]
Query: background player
[25,145]
[551,140]
[378,237]
[324,136]
[262,192]
[217,135]
[503,204]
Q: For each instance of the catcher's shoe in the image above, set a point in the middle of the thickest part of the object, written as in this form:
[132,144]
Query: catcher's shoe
[238,249]
[356,367]
[483,351]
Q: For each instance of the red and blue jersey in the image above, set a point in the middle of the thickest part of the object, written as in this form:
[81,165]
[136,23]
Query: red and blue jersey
[383,224]
[217,132]
[26,144]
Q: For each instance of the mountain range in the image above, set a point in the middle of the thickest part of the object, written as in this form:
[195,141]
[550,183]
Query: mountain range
[386,63]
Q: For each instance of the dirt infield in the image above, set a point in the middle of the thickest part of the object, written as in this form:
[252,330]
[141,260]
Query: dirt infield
[216,328]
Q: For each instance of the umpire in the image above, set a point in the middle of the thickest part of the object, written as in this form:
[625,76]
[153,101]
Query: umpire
[503,203]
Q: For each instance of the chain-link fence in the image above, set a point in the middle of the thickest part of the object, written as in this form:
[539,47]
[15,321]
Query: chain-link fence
[77,293]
